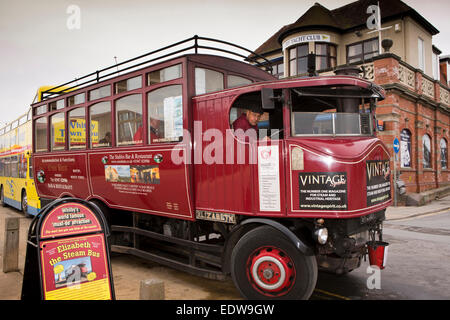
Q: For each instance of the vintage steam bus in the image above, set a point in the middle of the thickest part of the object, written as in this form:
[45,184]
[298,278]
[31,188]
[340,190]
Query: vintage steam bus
[159,156]
[16,175]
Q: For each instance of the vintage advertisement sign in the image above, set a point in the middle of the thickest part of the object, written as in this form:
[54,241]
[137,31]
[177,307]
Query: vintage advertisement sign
[75,269]
[67,254]
[173,118]
[68,219]
[269,178]
[405,148]
[378,177]
[77,132]
[323,190]
[138,179]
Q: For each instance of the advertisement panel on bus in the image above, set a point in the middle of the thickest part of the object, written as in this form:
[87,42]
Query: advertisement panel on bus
[77,133]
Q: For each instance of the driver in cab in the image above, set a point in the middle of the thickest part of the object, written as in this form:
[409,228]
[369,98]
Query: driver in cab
[247,124]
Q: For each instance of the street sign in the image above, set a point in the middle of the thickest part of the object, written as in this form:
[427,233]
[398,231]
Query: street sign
[396,145]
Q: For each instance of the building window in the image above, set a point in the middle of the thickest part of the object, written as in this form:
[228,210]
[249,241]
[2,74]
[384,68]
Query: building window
[426,142]
[298,60]
[278,70]
[325,56]
[444,153]
[421,54]
[405,147]
[363,50]
[435,66]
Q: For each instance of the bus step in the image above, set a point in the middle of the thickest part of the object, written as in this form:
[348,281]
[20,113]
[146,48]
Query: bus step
[173,263]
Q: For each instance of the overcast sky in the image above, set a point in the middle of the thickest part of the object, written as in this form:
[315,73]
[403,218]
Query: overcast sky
[37,47]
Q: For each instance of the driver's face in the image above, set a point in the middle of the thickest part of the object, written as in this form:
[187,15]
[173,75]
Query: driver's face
[253,117]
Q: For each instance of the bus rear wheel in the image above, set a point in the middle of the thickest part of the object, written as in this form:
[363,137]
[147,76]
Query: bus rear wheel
[24,203]
[266,265]
[2,197]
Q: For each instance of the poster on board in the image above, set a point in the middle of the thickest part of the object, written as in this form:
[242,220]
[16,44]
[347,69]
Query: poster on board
[75,268]
[269,178]
[378,181]
[323,190]
[67,255]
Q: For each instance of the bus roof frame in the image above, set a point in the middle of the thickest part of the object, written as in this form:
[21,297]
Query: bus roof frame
[96,76]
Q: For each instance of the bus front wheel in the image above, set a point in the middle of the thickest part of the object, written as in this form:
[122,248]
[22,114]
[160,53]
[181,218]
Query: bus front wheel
[266,265]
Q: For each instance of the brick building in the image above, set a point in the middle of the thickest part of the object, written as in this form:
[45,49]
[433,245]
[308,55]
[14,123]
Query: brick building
[417,105]
[444,68]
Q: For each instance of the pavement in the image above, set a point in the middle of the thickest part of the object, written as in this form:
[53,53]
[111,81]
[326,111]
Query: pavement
[403,213]
[11,282]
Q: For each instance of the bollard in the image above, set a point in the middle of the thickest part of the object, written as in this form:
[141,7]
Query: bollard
[151,290]
[11,245]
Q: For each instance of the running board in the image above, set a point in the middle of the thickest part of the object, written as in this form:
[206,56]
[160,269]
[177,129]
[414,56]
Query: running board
[157,236]
[205,273]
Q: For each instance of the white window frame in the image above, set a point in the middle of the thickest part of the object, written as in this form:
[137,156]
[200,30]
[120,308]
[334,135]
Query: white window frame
[421,53]
[436,72]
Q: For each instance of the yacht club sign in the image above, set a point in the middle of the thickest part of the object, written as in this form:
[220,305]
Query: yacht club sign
[306,38]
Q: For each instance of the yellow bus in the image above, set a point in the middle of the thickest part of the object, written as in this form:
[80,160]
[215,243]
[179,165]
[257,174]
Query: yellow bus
[17,187]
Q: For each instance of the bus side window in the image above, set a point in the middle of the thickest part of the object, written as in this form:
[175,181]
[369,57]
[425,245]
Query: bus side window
[7,162]
[57,130]
[40,126]
[30,169]
[100,124]
[236,81]
[166,74]
[207,80]
[165,110]
[77,129]
[129,120]
[14,167]
[270,122]
[22,166]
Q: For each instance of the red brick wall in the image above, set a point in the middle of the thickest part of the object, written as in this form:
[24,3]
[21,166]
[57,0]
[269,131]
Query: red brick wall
[407,108]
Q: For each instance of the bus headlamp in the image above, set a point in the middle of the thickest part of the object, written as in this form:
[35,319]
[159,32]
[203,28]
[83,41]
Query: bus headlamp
[321,235]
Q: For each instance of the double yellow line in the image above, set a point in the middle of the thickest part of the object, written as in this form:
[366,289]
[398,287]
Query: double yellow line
[331,294]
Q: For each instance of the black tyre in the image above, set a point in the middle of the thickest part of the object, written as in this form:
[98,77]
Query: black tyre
[24,203]
[266,265]
[2,197]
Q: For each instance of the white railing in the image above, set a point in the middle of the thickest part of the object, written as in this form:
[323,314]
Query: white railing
[406,76]
[427,87]
[444,96]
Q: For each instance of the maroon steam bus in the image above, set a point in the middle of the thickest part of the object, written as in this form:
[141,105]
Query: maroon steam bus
[155,149]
